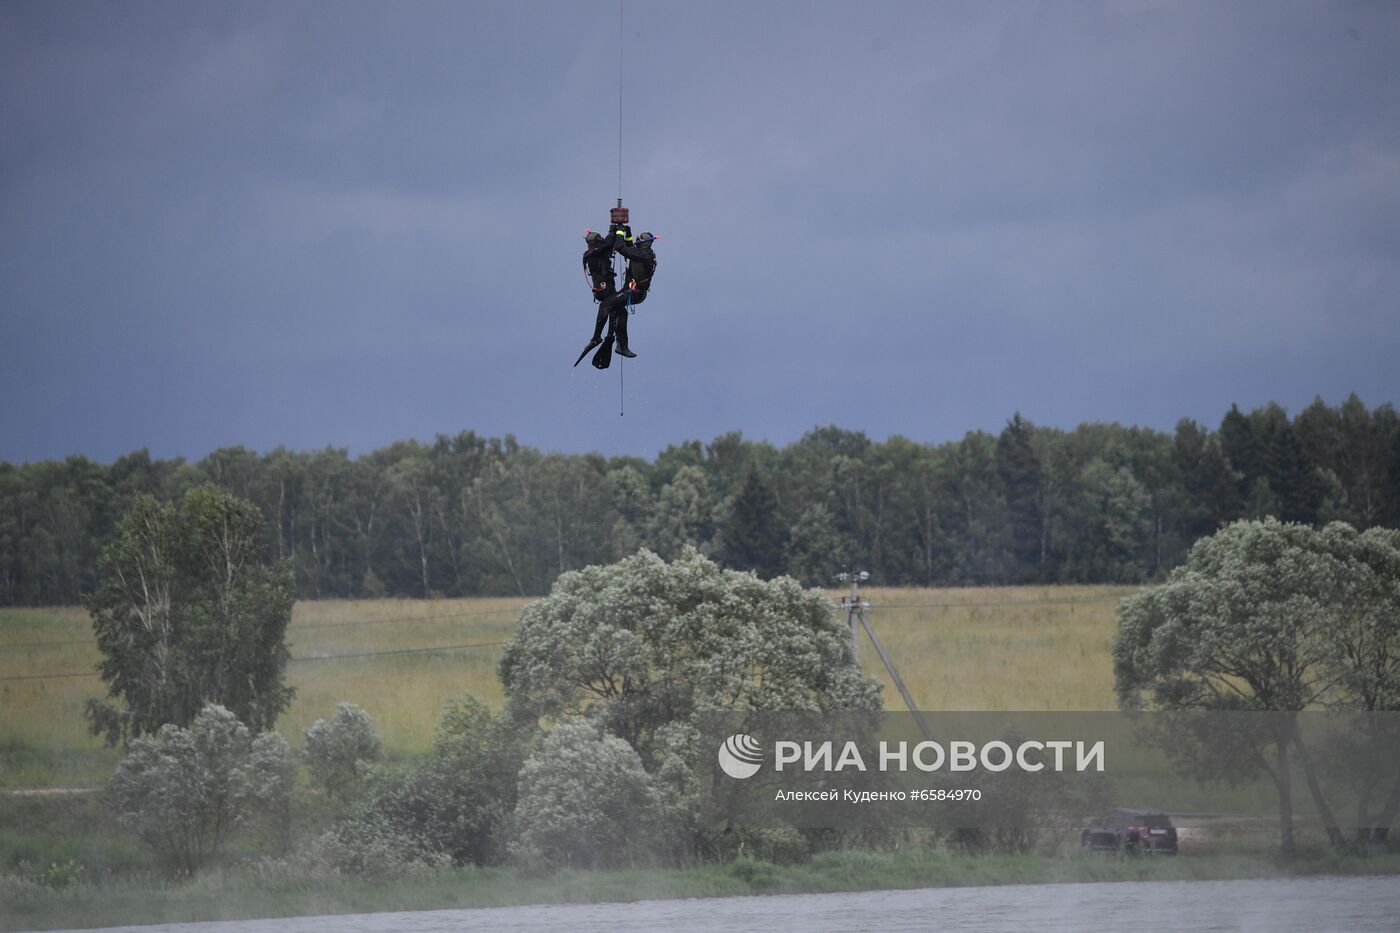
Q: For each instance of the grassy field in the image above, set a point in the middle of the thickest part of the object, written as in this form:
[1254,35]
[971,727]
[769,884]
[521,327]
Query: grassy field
[1041,648]
[1001,648]
[1010,648]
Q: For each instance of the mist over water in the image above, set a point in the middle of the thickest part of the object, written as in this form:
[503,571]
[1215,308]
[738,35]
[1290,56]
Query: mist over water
[1308,905]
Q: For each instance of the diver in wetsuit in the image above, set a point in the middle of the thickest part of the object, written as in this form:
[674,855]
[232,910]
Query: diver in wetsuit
[641,266]
[598,268]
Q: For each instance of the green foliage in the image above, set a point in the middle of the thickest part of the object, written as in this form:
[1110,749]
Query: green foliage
[815,549]
[457,802]
[974,513]
[1209,484]
[367,847]
[643,642]
[453,806]
[640,648]
[341,751]
[371,587]
[752,532]
[758,874]
[1362,643]
[1267,616]
[62,874]
[1020,473]
[468,515]
[1114,513]
[585,802]
[272,776]
[183,791]
[684,515]
[187,615]
[778,845]
[632,502]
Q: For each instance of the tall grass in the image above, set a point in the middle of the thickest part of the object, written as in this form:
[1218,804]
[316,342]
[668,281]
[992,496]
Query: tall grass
[44,739]
[1008,648]
[1002,648]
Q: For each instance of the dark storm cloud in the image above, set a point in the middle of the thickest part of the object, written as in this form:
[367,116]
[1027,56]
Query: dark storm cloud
[348,224]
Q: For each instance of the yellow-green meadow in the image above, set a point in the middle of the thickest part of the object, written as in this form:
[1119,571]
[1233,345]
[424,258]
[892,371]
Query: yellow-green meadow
[1002,648]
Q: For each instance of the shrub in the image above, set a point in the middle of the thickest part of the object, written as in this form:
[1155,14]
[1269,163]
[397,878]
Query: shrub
[272,775]
[756,873]
[779,845]
[453,807]
[184,791]
[368,847]
[457,802]
[341,751]
[584,802]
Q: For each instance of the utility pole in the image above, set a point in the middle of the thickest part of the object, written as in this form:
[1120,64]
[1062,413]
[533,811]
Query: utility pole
[855,608]
[854,605]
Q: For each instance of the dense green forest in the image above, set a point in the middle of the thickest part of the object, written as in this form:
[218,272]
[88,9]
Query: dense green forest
[469,515]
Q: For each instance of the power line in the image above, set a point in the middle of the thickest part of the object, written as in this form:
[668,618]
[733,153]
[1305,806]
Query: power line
[450,616]
[380,654]
[294,628]
[456,616]
[1009,602]
[50,676]
[49,644]
[320,657]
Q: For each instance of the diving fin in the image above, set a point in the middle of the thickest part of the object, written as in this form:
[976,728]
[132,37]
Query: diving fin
[591,345]
[603,358]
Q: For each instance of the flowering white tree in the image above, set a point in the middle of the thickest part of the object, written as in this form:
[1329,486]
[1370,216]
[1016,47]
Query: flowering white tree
[183,791]
[642,643]
[1268,616]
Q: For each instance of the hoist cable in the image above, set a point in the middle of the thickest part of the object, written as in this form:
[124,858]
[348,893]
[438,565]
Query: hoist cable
[619,102]
[621,383]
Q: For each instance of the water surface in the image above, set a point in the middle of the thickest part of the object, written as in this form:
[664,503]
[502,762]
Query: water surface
[1306,905]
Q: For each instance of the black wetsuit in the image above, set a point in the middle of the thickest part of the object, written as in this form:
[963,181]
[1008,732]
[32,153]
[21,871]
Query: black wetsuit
[641,266]
[598,263]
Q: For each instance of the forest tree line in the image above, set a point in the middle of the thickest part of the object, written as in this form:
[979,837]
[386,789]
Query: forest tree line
[469,515]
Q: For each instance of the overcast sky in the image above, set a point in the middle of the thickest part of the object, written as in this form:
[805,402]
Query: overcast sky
[313,223]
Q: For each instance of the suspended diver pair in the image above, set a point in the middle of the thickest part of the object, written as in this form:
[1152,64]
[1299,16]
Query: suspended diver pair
[614,306]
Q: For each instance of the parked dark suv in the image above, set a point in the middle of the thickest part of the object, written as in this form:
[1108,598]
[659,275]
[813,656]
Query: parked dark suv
[1148,832]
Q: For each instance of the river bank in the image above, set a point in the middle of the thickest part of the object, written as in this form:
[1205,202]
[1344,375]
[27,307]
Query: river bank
[264,889]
